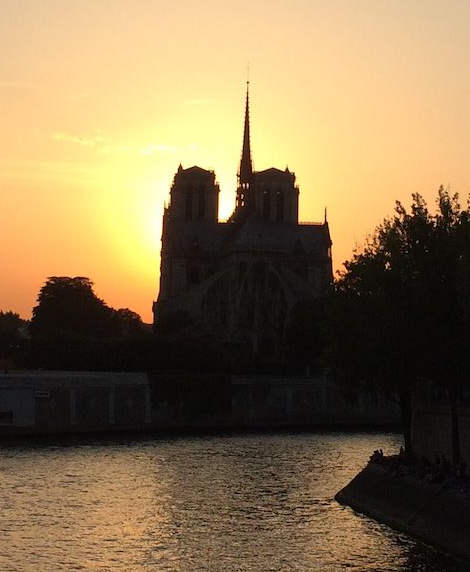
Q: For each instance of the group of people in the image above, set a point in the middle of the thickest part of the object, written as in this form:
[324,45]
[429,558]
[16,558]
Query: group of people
[440,471]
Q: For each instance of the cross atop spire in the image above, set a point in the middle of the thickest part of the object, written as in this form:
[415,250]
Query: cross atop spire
[245,174]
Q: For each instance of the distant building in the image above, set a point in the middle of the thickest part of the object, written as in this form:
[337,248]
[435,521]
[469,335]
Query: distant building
[73,402]
[240,279]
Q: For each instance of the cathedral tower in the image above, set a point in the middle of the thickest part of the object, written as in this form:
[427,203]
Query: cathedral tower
[270,194]
[240,279]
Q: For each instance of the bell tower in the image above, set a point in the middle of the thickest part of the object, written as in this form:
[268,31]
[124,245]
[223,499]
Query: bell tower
[194,195]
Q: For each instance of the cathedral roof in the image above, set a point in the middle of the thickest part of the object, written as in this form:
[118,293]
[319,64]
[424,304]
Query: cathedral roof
[255,234]
[274,171]
[273,174]
[260,235]
[194,171]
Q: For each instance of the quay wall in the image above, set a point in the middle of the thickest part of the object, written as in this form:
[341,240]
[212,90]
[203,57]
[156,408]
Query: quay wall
[429,512]
[311,400]
[70,402]
[432,429]
[261,401]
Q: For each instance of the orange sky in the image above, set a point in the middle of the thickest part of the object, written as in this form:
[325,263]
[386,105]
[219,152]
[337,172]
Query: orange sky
[366,100]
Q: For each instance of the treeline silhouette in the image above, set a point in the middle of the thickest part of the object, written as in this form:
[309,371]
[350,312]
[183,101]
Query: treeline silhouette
[72,329]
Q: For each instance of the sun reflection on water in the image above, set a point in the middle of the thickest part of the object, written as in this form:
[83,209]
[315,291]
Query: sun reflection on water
[233,503]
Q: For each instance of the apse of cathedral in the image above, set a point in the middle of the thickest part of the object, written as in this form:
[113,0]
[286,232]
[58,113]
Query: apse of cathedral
[240,279]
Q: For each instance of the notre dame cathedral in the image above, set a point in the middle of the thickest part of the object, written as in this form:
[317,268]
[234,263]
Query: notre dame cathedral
[240,279]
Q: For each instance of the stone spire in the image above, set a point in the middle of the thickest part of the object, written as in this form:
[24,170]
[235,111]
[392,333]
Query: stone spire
[245,175]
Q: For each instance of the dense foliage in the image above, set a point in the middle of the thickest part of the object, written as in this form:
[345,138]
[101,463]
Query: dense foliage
[400,311]
[70,305]
[72,328]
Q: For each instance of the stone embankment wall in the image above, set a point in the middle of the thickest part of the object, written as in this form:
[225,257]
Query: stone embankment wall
[430,512]
[311,400]
[67,402]
[264,402]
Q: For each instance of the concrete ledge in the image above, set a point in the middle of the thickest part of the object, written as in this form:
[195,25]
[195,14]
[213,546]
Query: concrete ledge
[429,512]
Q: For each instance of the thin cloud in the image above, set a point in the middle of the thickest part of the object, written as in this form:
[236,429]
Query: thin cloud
[83,141]
[106,146]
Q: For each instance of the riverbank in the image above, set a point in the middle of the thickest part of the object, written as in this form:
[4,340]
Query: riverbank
[431,512]
[40,402]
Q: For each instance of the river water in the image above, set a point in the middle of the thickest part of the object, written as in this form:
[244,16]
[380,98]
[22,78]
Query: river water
[226,503]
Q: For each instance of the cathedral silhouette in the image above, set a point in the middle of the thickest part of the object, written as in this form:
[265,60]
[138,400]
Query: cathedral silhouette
[240,279]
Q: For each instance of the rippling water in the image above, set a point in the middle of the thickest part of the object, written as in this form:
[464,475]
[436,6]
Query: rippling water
[254,503]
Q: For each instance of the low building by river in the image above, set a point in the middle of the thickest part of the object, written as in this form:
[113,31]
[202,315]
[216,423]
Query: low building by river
[57,402]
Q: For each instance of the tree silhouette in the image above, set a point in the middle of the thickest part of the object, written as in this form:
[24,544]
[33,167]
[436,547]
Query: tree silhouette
[400,311]
[72,328]
[70,305]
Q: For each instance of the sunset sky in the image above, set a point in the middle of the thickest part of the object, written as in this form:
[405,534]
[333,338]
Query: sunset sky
[366,100]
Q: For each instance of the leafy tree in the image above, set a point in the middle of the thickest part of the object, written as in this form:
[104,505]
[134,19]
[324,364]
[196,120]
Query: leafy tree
[400,310]
[69,305]
[72,328]
[449,283]
[126,323]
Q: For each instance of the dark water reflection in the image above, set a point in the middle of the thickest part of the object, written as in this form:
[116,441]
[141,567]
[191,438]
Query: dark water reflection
[253,503]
